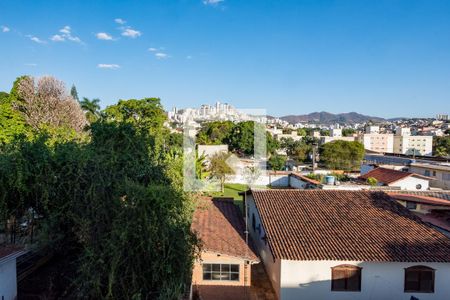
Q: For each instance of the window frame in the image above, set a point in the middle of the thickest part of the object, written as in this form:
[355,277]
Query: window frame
[221,272]
[420,269]
[346,268]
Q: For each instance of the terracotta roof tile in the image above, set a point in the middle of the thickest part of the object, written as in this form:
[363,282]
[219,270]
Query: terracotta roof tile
[220,226]
[386,176]
[346,225]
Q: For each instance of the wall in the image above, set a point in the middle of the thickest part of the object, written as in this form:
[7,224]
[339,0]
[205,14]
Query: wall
[440,179]
[312,280]
[271,264]
[408,144]
[215,258]
[8,279]
[411,182]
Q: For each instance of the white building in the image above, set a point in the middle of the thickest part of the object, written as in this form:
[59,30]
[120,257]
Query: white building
[336,245]
[8,273]
[405,143]
[378,142]
[398,179]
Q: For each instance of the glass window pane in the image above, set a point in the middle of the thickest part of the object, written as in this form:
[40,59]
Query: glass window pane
[426,281]
[234,268]
[206,267]
[216,267]
[206,276]
[216,276]
[235,276]
[353,280]
[338,279]
[225,268]
[412,280]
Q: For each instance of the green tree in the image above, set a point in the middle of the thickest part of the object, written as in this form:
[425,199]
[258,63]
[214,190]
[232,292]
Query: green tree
[348,131]
[301,132]
[91,109]
[342,155]
[219,168]
[372,181]
[277,162]
[442,146]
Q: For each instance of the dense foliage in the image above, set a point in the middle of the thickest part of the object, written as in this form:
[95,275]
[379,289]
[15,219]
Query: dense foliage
[342,155]
[111,204]
[442,146]
[240,136]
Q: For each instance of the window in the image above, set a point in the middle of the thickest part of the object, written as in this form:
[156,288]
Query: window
[427,173]
[221,272]
[346,278]
[411,205]
[434,173]
[419,279]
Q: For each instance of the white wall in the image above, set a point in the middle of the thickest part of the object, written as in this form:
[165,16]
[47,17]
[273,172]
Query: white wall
[8,279]
[410,183]
[271,265]
[312,280]
[297,183]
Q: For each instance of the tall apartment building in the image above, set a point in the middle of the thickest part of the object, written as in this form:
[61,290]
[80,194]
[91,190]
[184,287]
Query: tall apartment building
[375,141]
[405,143]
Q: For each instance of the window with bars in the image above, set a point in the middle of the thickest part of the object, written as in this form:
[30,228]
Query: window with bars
[346,278]
[221,272]
[419,279]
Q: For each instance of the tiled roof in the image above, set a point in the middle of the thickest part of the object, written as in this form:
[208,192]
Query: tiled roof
[346,225]
[306,179]
[387,176]
[444,195]
[419,199]
[220,226]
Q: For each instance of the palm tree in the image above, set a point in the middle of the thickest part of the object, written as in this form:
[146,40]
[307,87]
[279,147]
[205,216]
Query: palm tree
[91,108]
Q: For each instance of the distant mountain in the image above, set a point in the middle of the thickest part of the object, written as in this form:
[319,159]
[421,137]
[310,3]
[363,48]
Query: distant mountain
[329,118]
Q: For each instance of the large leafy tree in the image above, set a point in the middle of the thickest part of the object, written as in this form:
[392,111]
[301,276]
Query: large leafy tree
[342,155]
[111,206]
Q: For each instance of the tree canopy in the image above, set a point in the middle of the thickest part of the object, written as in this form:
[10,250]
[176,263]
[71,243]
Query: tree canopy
[110,206]
[342,155]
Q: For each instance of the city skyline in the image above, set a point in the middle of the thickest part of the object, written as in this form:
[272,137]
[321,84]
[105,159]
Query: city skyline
[382,59]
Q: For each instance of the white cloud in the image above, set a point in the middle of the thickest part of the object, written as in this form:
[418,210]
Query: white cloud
[65,34]
[120,21]
[5,28]
[129,32]
[57,38]
[161,55]
[31,65]
[104,36]
[151,49]
[36,39]
[108,66]
[212,2]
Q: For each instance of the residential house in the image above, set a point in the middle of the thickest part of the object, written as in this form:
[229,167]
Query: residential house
[398,179]
[336,245]
[440,173]
[223,270]
[8,273]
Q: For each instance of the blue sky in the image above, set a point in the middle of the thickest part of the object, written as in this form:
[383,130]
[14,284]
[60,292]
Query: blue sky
[386,57]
